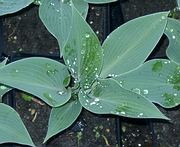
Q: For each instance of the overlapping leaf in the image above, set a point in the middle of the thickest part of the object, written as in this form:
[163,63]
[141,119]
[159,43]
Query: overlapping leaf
[12,128]
[42,77]
[173,33]
[11,6]
[63,117]
[108,97]
[158,80]
[128,46]
[57,17]
[100,1]
[82,52]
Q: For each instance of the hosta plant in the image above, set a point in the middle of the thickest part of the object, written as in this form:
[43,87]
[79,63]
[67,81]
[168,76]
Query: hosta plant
[112,78]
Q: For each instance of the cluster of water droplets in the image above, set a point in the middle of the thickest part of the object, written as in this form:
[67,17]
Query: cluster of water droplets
[139,91]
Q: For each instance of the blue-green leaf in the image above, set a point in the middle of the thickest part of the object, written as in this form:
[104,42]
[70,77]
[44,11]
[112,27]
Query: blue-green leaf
[128,46]
[82,52]
[108,97]
[158,80]
[62,117]
[100,1]
[11,6]
[12,128]
[41,77]
[173,33]
[57,17]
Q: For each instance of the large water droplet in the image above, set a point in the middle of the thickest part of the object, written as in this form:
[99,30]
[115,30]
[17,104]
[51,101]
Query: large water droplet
[145,91]
[3,87]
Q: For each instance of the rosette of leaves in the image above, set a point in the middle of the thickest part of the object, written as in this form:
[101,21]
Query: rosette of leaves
[112,78]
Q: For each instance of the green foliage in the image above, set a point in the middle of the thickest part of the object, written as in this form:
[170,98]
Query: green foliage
[172,32]
[107,79]
[12,128]
[157,80]
[11,6]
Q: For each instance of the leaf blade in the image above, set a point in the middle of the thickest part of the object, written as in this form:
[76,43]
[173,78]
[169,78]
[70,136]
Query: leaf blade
[57,16]
[39,76]
[157,80]
[172,32]
[8,7]
[63,117]
[132,41]
[82,52]
[12,128]
[108,97]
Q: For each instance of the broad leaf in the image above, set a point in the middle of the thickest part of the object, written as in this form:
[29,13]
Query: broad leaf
[158,80]
[108,97]
[173,33]
[12,128]
[42,77]
[127,47]
[63,117]
[100,1]
[57,17]
[11,6]
[82,52]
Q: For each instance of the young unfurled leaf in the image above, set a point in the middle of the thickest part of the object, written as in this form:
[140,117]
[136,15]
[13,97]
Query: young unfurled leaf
[57,17]
[108,97]
[12,128]
[173,33]
[41,77]
[11,6]
[62,117]
[129,45]
[158,80]
[82,52]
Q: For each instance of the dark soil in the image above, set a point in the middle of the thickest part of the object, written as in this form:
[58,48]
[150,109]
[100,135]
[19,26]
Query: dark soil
[25,33]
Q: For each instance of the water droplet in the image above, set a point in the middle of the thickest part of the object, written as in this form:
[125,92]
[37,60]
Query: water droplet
[140,114]
[60,92]
[3,87]
[67,61]
[95,69]
[87,35]
[16,70]
[96,100]
[97,32]
[52,4]
[139,145]
[100,106]
[145,91]
[91,22]
[175,94]
[123,113]
[117,113]
[86,68]
[163,17]
[171,30]
[136,90]
[92,103]
[82,52]
[173,37]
